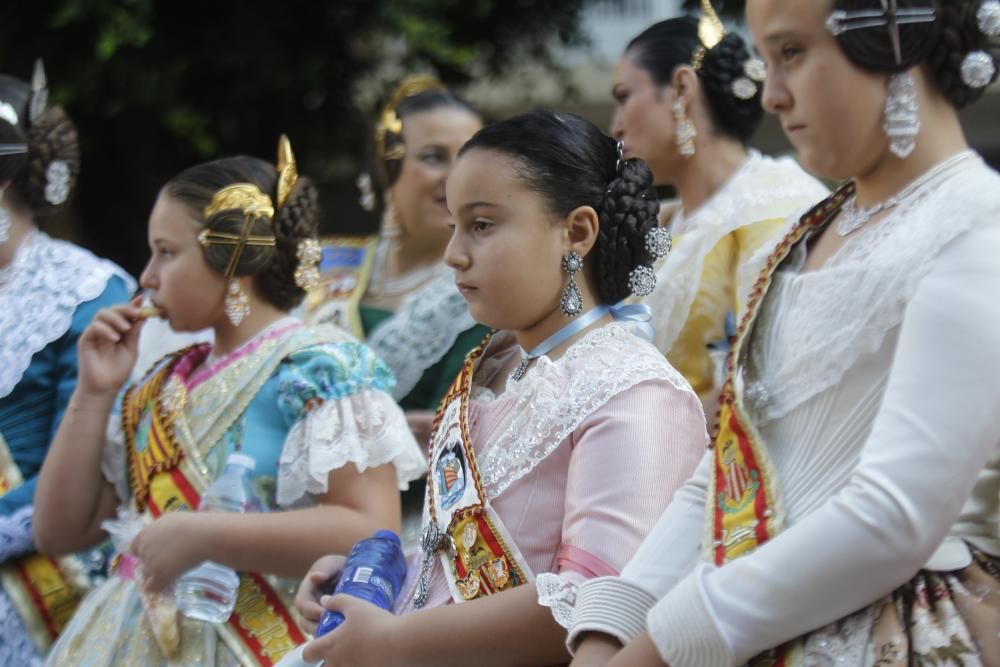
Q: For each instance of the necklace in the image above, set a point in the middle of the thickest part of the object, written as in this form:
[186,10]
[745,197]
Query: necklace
[558,338]
[853,216]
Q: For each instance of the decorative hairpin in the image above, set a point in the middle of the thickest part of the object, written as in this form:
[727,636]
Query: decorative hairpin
[248,199]
[309,254]
[57,182]
[389,121]
[710,32]
[620,146]
[39,92]
[13,149]
[658,242]
[840,21]
[288,173]
[754,71]
[8,113]
[642,279]
[978,67]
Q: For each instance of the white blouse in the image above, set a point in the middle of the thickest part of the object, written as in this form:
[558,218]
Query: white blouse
[872,381]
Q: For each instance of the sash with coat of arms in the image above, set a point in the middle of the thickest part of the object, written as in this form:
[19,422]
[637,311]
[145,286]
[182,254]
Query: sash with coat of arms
[464,531]
[744,503]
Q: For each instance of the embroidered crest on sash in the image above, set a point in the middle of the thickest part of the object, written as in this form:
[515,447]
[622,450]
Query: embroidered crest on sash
[465,532]
[744,503]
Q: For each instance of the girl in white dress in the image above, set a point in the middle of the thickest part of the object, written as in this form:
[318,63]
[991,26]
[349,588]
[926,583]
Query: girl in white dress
[849,511]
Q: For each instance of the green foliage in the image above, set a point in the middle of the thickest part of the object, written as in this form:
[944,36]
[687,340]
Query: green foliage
[156,85]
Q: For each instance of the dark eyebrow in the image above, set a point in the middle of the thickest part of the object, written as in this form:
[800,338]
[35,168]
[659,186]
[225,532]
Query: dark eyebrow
[477,204]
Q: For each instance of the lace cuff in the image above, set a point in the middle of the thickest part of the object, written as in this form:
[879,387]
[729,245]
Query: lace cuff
[15,534]
[558,593]
[114,467]
[367,429]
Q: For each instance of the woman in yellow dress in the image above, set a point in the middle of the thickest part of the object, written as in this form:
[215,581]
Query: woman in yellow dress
[687,99]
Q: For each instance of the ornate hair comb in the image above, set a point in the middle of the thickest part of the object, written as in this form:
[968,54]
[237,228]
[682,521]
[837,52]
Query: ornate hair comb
[841,21]
[247,198]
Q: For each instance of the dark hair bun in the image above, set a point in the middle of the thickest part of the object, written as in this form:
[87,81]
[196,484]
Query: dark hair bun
[630,210]
[941,44]
[722,65]
[273,267]
[295,221]
[665,46]
[51,139]
[44,185]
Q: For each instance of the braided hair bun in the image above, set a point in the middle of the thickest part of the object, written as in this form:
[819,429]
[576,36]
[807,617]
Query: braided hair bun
[571,163]
[630,210]
[44,178]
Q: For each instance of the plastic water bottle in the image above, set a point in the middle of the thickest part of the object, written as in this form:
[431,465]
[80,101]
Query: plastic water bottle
[208,591]
[374,571]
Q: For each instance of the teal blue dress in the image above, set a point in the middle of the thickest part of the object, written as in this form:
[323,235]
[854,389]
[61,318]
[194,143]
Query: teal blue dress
[48,295]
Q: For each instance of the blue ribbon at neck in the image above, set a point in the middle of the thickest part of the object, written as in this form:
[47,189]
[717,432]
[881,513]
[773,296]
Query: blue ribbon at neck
[636,314]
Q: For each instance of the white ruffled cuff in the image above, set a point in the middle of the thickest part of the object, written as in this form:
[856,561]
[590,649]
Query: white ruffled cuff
[367,429]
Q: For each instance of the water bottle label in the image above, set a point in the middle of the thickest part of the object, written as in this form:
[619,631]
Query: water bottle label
[385,585]
[362,575]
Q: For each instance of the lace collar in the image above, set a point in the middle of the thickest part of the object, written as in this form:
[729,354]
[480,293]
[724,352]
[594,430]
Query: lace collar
[422,331]
[764,188]
[814,326]
[44,285]
[555,397]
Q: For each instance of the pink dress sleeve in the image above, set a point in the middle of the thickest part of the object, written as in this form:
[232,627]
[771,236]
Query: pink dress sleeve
[629,457]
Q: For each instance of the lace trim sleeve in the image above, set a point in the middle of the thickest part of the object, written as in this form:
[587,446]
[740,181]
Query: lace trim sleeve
[558,593]
[367,429]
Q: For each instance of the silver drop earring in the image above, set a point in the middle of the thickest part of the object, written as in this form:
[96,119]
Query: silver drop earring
[571,301]
[902,117]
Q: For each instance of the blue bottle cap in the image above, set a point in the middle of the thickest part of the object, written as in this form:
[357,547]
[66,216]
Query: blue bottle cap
[387,535]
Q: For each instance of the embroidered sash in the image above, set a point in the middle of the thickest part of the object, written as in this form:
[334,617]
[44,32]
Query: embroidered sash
[477,552]
[345,270]
[44,591]
[744,501]
[167,474]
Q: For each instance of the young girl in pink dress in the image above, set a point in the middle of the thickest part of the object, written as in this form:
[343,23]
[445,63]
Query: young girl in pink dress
[566,432]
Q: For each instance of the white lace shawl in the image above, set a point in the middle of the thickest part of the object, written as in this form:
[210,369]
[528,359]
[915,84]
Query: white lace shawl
[39,294]
[764,188]
[422,331]
[832,316]
[555,397]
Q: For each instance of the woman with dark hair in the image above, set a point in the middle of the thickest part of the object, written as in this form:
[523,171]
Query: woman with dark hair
[394,291]
[233,247]
[687,99]
[847,514]
[564,434]
[49,292]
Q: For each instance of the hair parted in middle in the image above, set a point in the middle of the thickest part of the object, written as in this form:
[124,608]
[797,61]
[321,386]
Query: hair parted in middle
[571,163]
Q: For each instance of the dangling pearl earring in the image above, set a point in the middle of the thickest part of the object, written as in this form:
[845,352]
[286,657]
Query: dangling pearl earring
[237,302]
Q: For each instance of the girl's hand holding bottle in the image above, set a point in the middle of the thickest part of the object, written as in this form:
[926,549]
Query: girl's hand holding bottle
[168,547]
[316,584]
